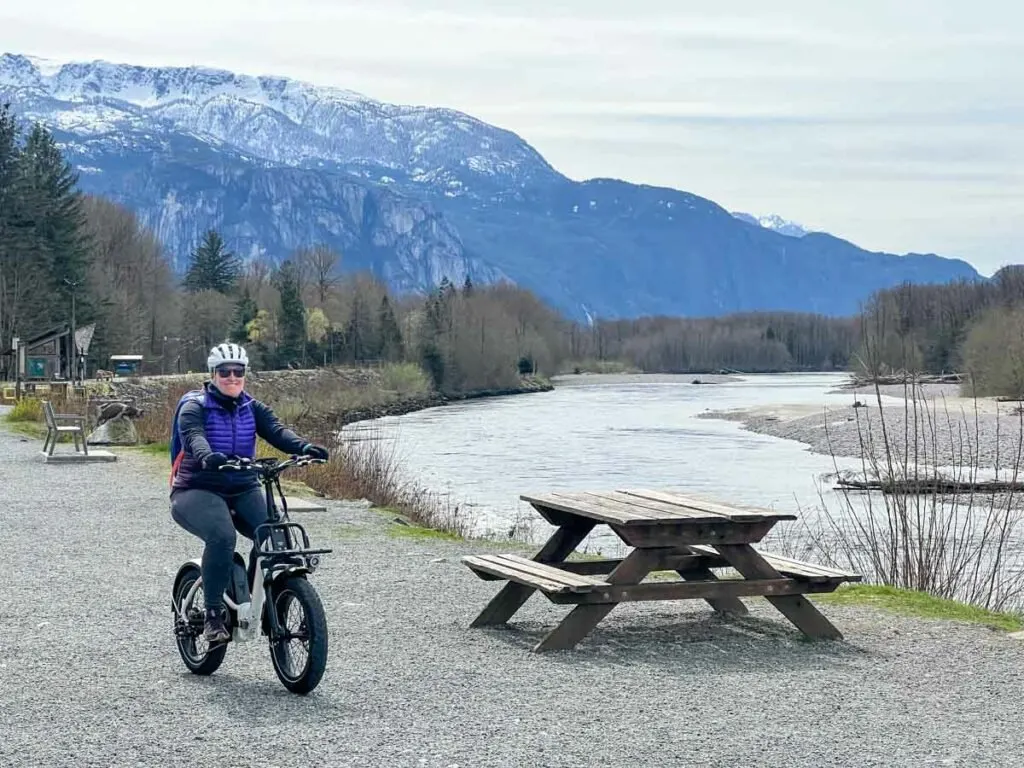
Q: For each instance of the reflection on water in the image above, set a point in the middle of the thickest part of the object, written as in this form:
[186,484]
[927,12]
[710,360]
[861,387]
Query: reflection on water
[601,432]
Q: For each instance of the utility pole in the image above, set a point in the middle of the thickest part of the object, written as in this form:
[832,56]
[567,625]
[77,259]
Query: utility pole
[74,342]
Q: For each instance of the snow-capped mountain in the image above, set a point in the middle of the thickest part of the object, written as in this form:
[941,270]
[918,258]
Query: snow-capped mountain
[276,119]
[419,193]
[774,222]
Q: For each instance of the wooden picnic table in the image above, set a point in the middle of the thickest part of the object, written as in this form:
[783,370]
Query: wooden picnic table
[668,531]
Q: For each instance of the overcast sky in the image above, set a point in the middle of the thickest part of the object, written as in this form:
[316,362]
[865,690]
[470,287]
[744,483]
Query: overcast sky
[897,124]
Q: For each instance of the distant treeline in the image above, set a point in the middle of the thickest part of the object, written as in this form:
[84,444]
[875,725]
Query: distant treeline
[976,328]
[59,245]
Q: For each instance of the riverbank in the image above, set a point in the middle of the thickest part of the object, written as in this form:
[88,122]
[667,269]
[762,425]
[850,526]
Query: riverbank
[340,396]
[410,684]
[953,429]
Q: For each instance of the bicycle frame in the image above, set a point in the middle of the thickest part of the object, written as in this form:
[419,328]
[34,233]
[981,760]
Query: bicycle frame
[286,554]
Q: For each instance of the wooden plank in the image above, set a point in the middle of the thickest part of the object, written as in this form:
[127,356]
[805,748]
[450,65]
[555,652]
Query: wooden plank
[678,533]
[498,564]
[674,561]
[809,570]
[654,510]
[551,501]
[512,596]
[691,590]
[737,514]
[513,574]
[630,514]
[791,567]
[544,570]
[586,503]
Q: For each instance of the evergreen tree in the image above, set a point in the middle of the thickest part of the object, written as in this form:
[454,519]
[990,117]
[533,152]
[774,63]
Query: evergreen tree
[292,322]
[245,312]
[44,253]
[390,335]
[212,267]
[11,247]
[467,287]
[361,339]
[59,218]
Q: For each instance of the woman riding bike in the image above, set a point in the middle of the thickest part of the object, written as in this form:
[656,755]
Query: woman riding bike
[215,423]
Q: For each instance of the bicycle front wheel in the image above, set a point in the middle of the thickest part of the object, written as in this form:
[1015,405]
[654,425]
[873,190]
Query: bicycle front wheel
[299,653]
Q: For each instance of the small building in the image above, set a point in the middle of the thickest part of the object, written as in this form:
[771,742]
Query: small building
[43,357]
[126,365]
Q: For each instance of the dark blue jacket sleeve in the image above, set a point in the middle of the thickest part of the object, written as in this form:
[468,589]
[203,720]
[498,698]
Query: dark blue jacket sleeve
[192,427]
[269,427]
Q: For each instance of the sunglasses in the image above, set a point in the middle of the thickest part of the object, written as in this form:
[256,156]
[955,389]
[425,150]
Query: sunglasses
[224,371]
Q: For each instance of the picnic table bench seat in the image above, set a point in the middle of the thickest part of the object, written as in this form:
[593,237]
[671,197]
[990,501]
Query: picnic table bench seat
[522,570]
[573,575]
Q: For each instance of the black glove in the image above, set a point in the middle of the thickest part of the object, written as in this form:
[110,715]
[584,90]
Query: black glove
[214,460]
[316,451]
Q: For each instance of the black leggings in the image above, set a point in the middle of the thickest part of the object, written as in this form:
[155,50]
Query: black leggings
[209,516]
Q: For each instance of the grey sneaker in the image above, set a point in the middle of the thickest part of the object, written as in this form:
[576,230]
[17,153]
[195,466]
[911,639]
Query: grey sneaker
[215,628]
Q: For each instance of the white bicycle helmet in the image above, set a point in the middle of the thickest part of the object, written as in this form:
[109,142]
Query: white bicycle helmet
[227,353]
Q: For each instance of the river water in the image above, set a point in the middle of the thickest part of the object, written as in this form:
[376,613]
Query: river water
[606,432]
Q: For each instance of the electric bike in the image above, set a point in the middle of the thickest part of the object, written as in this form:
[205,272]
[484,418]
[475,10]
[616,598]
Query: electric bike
[269,596]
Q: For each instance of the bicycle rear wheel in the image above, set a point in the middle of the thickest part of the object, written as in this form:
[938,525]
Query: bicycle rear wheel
[300,652]
[194,649]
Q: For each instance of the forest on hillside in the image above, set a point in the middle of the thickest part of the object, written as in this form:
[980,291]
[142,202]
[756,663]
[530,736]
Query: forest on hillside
[302,309]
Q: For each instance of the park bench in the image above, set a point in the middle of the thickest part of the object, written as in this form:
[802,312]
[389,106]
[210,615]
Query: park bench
[63,423]
[667,532]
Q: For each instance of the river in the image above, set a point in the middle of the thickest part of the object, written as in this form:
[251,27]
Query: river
[614,431]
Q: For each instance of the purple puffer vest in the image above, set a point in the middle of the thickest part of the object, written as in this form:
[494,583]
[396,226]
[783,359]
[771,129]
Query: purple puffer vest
[232,433]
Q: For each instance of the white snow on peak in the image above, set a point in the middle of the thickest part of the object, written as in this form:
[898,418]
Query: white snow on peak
[271,118]
[775,223]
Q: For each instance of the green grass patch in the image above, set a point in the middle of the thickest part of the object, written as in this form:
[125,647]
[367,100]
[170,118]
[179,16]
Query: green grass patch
[911,603]
[156,449]
[423,534]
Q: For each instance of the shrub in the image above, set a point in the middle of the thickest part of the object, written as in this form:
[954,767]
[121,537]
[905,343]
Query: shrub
[964,545]
[26,409]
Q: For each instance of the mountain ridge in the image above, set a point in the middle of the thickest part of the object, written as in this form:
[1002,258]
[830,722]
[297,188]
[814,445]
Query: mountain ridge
[417,192]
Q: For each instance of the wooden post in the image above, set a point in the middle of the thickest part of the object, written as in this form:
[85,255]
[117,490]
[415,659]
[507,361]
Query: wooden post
[18,362]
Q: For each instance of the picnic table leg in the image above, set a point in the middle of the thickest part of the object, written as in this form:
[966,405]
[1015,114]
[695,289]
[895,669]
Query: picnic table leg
[584,618]
[797,608]
[724,605]
[512,596]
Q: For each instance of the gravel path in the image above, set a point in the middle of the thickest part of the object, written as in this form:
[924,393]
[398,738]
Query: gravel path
[89,675]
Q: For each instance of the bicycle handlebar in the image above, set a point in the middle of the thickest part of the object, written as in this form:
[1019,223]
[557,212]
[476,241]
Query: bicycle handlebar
[269,467]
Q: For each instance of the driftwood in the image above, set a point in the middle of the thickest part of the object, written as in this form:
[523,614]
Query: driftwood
[907,378]
[923,485]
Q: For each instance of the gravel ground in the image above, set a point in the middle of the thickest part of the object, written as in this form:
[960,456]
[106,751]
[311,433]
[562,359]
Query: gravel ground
[963,428]
[89,675]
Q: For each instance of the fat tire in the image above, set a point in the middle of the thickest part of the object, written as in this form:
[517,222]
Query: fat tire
[316,624]
[209,662]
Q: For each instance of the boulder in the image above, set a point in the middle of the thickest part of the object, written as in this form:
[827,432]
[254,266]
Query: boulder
[118,431]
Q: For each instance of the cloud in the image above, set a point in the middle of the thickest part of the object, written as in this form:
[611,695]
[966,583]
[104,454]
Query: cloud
[895,125]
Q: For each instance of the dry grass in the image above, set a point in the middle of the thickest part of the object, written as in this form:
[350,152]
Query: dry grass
[310,401]
[966,546]
[367,467]
[154,426]
[317,408]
